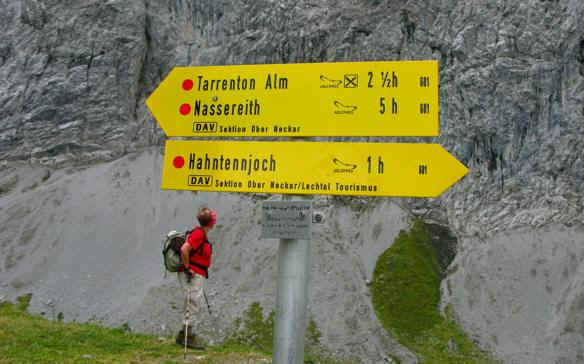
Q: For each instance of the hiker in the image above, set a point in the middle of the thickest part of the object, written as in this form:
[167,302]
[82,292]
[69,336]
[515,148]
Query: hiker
[196,257]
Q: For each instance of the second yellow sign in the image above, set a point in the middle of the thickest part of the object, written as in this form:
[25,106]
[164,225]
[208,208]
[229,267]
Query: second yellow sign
[365,169]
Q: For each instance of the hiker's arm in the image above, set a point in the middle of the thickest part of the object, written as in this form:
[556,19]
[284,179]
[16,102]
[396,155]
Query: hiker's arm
[185,251]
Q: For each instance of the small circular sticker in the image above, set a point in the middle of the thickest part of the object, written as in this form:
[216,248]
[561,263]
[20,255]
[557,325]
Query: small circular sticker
[178,162]
[185,109]
[187,85]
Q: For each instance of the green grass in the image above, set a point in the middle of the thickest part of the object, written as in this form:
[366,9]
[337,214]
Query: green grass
[406,294]
[25,338]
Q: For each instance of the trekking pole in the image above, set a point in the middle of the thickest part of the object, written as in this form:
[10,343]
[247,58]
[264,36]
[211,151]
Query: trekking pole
[208,306]
[187,312]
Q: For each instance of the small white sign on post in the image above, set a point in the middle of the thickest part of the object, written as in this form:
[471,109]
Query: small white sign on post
[286,219]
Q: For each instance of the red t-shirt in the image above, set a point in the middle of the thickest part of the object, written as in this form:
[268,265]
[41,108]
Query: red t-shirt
[201,257]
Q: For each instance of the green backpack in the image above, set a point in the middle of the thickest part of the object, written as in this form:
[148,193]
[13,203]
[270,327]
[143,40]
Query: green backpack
[171,250]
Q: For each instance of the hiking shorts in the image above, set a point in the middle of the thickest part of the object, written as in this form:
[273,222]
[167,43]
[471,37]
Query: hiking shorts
[193,293]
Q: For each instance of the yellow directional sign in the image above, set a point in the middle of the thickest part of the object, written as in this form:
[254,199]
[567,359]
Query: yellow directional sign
[310,99]
[368,169]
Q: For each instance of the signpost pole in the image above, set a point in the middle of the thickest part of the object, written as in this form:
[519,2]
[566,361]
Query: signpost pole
[291,299]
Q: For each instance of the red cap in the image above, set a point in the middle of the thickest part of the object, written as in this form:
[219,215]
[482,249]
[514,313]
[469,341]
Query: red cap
[213,219]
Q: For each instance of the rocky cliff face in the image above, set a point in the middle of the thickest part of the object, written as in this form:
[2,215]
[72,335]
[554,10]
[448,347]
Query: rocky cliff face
[74,76]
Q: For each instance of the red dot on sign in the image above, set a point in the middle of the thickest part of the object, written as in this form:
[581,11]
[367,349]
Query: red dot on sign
[187,85]
[185,109]
[178,162]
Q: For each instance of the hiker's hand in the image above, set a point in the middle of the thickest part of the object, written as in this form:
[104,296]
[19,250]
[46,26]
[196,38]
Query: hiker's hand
[189,272]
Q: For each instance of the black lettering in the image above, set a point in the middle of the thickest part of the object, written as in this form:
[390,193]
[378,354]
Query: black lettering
[221,162]
[283,83]
[203,127]
[225,84]
[200,180]
[199,83]
[272,163]
[275,82]
[207,162]
[249,107]
[257,108]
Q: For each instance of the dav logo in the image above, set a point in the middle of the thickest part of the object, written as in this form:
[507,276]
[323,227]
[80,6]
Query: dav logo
[202,181]
[204,127]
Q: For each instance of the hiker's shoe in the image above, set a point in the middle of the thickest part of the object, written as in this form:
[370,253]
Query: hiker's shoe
[193,342]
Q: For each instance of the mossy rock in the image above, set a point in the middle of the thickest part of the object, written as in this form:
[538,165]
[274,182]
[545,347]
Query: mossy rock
[254,330]
[406,295]
[24,301]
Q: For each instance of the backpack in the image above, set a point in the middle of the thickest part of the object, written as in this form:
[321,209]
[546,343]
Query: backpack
[171,250]
[171,246]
